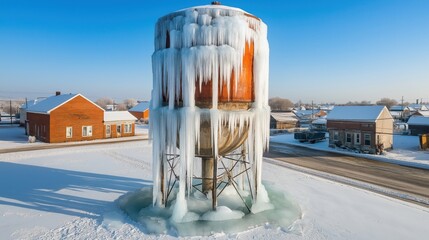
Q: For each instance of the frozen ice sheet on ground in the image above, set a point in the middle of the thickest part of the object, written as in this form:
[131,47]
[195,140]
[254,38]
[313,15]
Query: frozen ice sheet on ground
[230,217]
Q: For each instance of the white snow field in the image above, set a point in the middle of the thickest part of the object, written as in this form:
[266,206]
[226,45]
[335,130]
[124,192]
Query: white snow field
[70,193]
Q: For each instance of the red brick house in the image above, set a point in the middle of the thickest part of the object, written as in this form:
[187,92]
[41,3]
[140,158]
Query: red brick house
[141,111]
[362,128]
[119,124]
[65,118]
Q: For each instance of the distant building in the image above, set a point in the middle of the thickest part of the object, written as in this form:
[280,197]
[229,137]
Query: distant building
[283,120]
[23,110]
[111,107]
[65,118]
[363,128]
[418,125]
[73,117]
[319,124]
[141,111]
[119,124]
[421,113]
[307,116]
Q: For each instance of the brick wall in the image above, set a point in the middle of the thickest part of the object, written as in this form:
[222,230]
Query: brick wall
[76,113]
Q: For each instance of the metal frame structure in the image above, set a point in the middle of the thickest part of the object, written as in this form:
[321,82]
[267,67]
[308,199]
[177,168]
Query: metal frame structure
[223,175]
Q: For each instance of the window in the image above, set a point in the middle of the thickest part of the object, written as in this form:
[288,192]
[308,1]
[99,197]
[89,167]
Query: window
[127,128]
[69,132]
[108,131]
[118,129]
[367,139]
[348,137]
[86,131]
[336,135]
[357,138]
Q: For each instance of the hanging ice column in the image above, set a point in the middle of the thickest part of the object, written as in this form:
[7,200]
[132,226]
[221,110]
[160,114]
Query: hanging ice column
[209,102]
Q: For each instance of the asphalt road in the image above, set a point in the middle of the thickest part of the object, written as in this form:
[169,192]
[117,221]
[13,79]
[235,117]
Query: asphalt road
[400,178]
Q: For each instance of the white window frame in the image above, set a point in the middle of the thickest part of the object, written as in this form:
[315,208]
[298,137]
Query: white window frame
[86,131]
[128,128]
[347,137]
[357,138]
[69,132]
[108,130]
[365,139]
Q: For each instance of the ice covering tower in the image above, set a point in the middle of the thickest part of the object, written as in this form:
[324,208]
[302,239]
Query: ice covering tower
[209,116]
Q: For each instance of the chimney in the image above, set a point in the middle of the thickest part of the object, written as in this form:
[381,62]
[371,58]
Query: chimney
[57,93]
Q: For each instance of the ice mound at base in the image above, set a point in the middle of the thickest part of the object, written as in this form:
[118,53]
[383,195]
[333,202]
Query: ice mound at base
[231,215]
[222,213]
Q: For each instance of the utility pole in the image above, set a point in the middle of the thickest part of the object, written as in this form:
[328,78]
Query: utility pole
[312,110]
[10,111]
[402,109]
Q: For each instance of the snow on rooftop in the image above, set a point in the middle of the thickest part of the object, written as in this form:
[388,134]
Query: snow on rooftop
[418,120]
[424,113]
[321,120]
[31,103]
[118,116]
[356,113]
[51,103]
[397,108]
[141,107]
[214,7]
[284,116]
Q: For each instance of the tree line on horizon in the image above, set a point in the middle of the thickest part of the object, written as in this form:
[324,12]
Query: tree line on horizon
[284,104]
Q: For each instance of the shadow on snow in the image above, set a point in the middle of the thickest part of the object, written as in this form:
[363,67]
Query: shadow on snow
[35,187]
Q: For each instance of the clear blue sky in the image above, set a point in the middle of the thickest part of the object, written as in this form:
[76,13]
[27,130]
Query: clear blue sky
[321,50]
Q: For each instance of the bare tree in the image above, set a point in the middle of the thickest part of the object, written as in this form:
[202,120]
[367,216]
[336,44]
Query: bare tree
[387,102]
[103,102]
[356,103]
[122,107]
[129,103]
[280,104]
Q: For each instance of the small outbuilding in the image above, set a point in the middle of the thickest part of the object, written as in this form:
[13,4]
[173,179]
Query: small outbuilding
[418,125]
[119,124]
[283,120]
[363,128]
[141,111]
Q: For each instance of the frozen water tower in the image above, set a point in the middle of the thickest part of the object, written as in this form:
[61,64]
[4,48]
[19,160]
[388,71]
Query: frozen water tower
[209,119]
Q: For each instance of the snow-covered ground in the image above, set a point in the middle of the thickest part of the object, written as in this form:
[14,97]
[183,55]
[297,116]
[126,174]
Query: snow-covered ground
[405,150]
[69,193]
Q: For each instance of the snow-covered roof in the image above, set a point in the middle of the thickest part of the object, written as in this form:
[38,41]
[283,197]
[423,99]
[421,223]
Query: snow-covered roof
[418,120]
[321,120]
[423,113]
[141,107]
[31,103]
[397,108]
[53,102]
[284,116]
[395,113]
[356,113]
[118,116]
[418,106]
[215,6]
